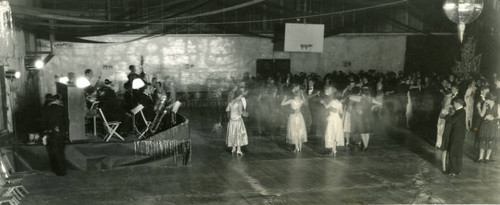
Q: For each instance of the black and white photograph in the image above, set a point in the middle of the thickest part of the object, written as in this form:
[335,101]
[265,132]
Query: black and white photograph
[153,102]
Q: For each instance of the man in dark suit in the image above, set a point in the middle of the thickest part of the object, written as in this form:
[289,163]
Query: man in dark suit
[313,98]
[454,132]
[53,124]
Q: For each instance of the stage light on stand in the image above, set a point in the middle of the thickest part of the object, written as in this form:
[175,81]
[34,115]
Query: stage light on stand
[82,82]
[63,80]
[137,84]
[39,64]
[12,74]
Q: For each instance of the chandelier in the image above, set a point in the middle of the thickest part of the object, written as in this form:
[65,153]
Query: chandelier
[462,12]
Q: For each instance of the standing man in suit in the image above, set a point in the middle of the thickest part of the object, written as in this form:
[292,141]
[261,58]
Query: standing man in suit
[454,132]
[313,101]
[53,124]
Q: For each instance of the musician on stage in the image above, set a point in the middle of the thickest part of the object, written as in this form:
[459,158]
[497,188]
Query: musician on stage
[108,101]
[91,90]
[143,96]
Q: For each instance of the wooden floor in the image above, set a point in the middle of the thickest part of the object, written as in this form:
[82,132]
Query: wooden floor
[398,168]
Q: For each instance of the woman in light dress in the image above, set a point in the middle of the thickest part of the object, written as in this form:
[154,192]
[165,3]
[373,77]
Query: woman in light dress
[445,107]
[469,104]
[236,131]
[296,127]
[334,134]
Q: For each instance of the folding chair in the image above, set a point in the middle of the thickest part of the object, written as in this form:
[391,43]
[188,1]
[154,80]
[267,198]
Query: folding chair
[7,170]
[175,108]
[11,200]
[134,111]
[110,127]
[15,189]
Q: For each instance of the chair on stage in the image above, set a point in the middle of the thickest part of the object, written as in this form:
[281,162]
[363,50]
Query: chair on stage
[111,128]
[175,108]
[134,111]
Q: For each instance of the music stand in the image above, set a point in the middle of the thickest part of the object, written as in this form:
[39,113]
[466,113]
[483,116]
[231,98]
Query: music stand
[134,111]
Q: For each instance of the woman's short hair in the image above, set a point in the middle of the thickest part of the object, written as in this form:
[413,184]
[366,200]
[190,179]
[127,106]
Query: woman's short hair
[491,96]
[337,95]
[237,93]
[459,101]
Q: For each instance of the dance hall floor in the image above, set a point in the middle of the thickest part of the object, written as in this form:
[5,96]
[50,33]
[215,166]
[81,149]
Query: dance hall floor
[398,168]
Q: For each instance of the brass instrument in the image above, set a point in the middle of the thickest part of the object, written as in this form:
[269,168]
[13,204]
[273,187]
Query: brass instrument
[161,110]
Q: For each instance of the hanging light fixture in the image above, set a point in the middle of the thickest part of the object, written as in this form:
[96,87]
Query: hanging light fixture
[462,12]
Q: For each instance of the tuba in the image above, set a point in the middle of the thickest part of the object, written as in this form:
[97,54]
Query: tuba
[161,111]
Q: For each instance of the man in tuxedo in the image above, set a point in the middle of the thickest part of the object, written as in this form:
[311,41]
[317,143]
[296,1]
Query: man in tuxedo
[314,105]
[454,132]
[54,127]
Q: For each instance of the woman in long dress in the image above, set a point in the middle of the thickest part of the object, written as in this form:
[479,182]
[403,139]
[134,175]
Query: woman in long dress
[469,104]
[296,127]
[236,130]
[445,107]
[334,134]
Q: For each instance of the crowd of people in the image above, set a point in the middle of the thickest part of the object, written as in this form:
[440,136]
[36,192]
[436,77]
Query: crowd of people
[344,108]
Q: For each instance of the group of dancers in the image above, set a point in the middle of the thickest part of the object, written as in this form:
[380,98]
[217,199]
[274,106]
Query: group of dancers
[342,112]
[480,114]
[350,106]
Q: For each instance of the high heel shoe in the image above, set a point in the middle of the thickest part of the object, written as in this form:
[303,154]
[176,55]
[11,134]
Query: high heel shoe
[240,153]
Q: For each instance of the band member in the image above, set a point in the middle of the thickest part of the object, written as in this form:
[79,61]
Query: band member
[53,124]
[143,96]
[108,101]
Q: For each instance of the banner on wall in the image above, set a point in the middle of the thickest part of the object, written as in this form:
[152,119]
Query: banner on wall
[304,37]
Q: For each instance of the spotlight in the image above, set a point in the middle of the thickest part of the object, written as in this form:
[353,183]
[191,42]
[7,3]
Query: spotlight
[39,64]
[12,74]
[137,83]
[63,80]
[82,82]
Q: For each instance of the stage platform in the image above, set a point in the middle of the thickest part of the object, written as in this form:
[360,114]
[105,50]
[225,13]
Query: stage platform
[171,147]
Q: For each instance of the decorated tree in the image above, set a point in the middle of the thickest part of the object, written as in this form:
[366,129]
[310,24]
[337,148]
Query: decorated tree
[469,62]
